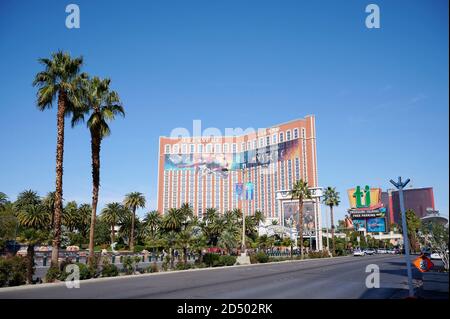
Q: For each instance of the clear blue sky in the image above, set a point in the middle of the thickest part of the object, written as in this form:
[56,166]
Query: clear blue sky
[380,96]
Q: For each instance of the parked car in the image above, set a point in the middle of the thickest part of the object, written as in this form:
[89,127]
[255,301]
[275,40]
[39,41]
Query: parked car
[358,252]
[381,251]
[436,256]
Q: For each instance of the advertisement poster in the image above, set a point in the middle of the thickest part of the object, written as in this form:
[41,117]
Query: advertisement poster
[222,163]
[290,209]
[375,225]
[359,223]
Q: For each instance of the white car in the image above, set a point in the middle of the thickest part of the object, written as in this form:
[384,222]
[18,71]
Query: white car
[358,252]
[435,256]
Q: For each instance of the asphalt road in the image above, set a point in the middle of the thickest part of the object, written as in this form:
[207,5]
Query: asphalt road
[342,277]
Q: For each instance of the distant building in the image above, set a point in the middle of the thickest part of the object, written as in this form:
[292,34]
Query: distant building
[420,200]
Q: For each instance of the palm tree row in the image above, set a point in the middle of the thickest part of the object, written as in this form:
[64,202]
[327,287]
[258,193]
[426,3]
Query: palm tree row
[78,96]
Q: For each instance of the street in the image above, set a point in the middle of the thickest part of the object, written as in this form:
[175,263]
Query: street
[341,277]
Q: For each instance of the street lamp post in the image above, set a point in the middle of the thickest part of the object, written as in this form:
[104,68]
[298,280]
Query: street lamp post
[400,185]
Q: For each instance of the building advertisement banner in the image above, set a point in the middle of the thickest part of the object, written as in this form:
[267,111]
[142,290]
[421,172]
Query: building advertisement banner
[222,163]
[375,225]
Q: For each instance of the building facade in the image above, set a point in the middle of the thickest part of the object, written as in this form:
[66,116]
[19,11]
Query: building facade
[418,199]
[245,171]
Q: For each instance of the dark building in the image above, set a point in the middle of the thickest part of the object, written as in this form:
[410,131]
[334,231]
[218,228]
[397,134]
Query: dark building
[417,199]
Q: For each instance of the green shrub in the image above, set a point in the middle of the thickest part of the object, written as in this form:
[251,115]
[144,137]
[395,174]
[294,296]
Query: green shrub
[262,257]
[13,271]
[211,259]
[138,248]
[53,273]
[226,260]
[109,270]
[182,266]
[128,265]
[318,254]
[253,259]
[153,267]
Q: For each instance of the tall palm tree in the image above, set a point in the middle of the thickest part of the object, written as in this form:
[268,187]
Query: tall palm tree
[111,214]
[331,199]
[301,192]
[133,201]
[59,80]
[34,221]
[102,105]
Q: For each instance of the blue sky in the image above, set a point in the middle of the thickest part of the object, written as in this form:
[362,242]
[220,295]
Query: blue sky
[380,96]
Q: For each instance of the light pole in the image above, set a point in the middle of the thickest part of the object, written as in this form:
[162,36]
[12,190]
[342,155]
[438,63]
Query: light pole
[400,185]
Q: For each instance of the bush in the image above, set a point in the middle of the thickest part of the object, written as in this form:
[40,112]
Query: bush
[13,271]
[318,254]
[226,260]
[128,265]
[153,267]
[53,273]
[211,259]
[262,257]
[109,270]
[138,248]
[182,266]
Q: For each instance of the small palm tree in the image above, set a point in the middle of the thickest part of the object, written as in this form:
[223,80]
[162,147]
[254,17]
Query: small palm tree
[3,200]
[259,217]
[111,214]
[301,192]
[34,221]
[133,201]
[152,222]
[59,80]
[331,199]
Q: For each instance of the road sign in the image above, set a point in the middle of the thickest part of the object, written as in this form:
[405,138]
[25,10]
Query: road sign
[423,263]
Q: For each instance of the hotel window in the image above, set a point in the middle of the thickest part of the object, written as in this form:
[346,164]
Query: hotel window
[281,137]
[208,148]
[295,133]
[234,148]
[242,147]
[274,139]
[175,149]
[225,148]
[183,148]
[288,135]
[254,144]
[218,148]
[248,146]
[167,149]
[192,148]
[267,140]
[200,148]
[261,142]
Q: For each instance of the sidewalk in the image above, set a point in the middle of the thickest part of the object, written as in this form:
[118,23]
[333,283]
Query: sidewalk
[435,285]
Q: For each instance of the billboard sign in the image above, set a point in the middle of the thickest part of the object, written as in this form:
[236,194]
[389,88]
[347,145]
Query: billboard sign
[375,225]
[366,198]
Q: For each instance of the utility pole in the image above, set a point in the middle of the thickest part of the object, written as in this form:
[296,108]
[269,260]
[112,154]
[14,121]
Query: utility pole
[400,186]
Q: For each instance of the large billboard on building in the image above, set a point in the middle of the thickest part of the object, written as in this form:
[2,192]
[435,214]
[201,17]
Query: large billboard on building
[290,210]
[366,209]
[222,163]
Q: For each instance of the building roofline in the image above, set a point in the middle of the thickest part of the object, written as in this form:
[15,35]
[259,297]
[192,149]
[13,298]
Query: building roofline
[256,131]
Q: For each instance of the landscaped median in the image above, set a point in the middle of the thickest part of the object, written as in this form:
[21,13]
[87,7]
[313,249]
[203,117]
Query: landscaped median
[12,272]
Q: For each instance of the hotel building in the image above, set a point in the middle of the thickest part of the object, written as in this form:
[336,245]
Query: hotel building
[249,171]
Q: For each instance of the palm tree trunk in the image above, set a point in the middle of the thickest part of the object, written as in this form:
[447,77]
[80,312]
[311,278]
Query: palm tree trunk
[132,230]
[300,224]
[30,263]
[333,251]
[112,233]
[59,178]
[95,149]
